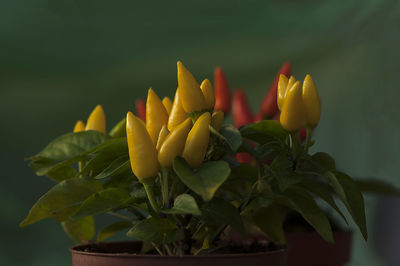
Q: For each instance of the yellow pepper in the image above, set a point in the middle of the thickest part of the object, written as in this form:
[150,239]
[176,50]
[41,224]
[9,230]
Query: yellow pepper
[197,141]
[208,92]
[311,101]
[156,115]
[142,153]
[161,137]
[97,120]
[79,126]
[293,112]
[192,98]
[217,119]
[174,143]
[178,115]
[167,104]
[282,88]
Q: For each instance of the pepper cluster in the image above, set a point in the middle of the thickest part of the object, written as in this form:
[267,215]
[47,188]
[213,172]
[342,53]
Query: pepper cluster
[170,129]
[96,121]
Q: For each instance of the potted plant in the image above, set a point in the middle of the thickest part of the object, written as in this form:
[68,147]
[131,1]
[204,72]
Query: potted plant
[165,179]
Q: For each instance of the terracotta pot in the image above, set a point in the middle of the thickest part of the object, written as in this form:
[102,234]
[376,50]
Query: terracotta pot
[308,249]
[122,256]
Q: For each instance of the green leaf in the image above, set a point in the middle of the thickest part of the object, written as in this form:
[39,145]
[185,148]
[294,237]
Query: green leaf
[352,198]
[106,155]
[119,130]
[62,200]
[81,230]
[63,173]
[231,135]
[112,229]
[158,231]
[219,212]
[264,131]
[324,160]
[71,144]
[324,192]
[184,204]
[304,203]
[270,220]
[206,180]
[65,150]
[102,201]
[116,167]
[281,170]
[377,187]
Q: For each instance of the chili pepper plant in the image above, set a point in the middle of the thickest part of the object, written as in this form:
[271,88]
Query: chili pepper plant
[171,179]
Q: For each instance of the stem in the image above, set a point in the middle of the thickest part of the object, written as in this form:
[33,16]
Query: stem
[120,216]
[158,250]
[164,186]
[149,188]
[308,139]
[167,249]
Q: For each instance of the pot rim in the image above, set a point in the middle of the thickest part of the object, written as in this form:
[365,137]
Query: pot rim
[74,250]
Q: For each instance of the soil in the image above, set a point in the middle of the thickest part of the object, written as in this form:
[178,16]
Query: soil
[227,248]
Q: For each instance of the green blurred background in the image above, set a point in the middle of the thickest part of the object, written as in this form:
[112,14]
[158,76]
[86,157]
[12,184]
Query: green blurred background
[60,58]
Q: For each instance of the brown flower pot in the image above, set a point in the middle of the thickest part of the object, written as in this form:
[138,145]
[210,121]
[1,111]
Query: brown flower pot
[121,254]
[308,249]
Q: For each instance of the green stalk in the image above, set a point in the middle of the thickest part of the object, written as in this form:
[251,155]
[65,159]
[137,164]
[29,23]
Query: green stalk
[308,138]
[164,186]
[149,188]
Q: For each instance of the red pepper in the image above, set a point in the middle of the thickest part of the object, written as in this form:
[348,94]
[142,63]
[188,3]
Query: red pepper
[269,106]
[244,157]
[242,114]
[141,109]
[259,117]
[222,93]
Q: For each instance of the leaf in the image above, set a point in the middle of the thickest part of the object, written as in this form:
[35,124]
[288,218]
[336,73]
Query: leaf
[112,229]
[71,144]
[105,155]
[231,135]
[352,198]
[62,200]
[119,130]
[304,203]
[81,230]
[65,150]
[184,204]
[281,170]
[324,192]
[158,231]
[63,173]
[118,166]
[377,187]
[219,212]
[264,131]
[101,202]
[324,160]
[206,180]
[270,220]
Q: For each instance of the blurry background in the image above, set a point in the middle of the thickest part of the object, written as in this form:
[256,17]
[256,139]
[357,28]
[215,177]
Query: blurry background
[58,59]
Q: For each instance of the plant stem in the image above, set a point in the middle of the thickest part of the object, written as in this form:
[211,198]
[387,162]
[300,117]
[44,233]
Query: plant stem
[120,216]
[308,139]
[149,188]
[164,186]
[168,249]
[158,250]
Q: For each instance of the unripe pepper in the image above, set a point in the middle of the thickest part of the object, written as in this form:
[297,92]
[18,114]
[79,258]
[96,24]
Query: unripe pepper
[97,120]
[174,143]
[217,119]
[141,109]
[167,104]
[242,114]
[161,137]
[142,153]
[191,96]
[197,141]
[156,115]
[222,93]
[79,126]
[269,105]
[293,111]
[208,93]
[178,115]
[311,101]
